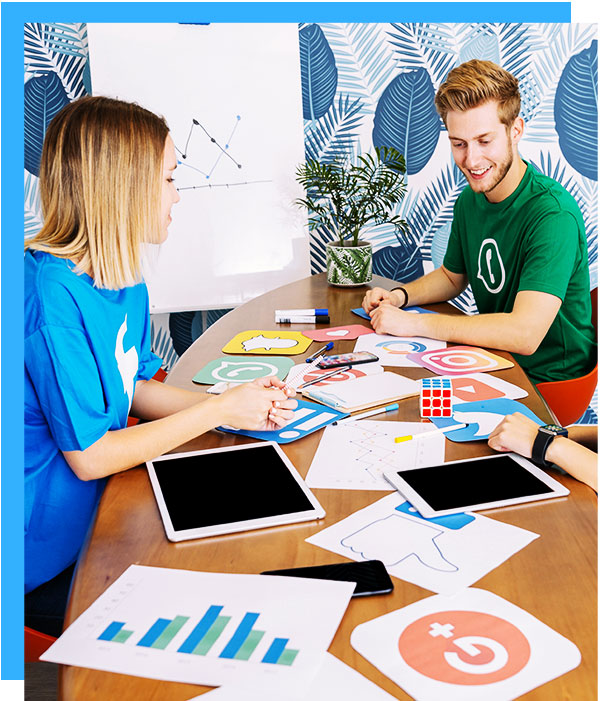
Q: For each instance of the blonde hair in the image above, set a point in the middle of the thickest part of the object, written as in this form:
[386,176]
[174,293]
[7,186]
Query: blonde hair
[100,187]
[475,82]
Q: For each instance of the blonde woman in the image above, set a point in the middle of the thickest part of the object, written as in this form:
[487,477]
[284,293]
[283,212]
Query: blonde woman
[107,188]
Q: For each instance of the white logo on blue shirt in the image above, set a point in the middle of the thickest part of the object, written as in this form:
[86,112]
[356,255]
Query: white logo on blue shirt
[490,266]
[127,362]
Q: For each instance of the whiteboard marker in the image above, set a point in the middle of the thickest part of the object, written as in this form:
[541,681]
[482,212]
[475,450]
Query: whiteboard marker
[301,312]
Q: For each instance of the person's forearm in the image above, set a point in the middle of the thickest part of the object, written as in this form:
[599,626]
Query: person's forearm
[436,286]
[124,448]
[575,459]
[154,400]
[500,331]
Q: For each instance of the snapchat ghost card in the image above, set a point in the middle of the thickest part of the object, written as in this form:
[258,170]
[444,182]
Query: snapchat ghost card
[268,343]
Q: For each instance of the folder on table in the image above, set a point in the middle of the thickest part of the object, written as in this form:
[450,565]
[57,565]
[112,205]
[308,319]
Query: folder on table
[364,392]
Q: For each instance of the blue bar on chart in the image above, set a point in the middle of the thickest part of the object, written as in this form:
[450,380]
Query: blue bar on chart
[155,632]
[239,637]
[115,633]
[201,629]
[278,654]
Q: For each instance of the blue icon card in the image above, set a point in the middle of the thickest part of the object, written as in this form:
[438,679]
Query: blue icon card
[453,521]
[482,417]
[359,311]
[308,417]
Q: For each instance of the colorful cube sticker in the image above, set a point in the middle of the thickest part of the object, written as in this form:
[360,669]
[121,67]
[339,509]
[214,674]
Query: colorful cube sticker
[436,397]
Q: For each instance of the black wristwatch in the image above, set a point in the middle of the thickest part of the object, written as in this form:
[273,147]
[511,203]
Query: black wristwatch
[545,435]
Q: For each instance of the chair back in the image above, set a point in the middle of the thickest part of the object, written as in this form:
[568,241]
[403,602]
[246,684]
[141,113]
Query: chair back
[568,399]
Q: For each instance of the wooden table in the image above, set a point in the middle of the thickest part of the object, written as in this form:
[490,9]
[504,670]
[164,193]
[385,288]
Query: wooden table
[554,578]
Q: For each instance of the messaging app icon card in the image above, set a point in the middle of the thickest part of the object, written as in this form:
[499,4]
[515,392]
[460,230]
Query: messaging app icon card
[268,343]
[240,369]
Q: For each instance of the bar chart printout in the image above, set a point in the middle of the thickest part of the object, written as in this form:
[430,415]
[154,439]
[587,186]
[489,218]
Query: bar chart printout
[204,635]
[207,628]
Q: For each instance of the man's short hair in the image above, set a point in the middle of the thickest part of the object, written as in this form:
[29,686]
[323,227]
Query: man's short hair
[475,82]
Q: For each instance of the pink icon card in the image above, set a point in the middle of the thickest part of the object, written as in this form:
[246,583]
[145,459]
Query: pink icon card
[338,333]
[460,360]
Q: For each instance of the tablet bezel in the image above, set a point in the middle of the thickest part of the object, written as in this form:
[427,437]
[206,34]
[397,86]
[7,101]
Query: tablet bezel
[317,512]
[423,507]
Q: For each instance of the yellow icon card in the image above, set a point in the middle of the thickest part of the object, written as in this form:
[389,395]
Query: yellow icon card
[268,343]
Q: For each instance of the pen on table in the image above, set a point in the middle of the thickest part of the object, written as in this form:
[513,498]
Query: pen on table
[311,357]
[445,429]
[301,312]
[379,410]
[312,319]
[337,371]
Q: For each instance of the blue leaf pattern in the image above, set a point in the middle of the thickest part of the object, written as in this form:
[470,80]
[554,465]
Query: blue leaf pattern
[318,70]
[406,119]
[576,110]
[398,263]
[44,97]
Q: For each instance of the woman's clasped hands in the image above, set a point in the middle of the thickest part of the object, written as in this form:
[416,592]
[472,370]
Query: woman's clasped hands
[262,405]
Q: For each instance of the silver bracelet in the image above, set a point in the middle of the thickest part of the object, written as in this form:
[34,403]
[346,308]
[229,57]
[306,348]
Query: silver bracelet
[405,296]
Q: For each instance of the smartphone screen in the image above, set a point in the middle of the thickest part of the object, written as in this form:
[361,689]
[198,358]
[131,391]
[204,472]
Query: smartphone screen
[370,576]
[334,361]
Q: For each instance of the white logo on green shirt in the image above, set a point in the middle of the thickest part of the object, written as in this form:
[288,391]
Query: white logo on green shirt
[490,267]
[127,362]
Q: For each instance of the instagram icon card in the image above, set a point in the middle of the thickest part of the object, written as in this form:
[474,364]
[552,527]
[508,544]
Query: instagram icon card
[459,360]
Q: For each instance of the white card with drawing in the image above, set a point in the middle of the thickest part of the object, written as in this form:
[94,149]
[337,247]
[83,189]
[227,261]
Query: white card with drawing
[392,350]
[353,455]
[442,554]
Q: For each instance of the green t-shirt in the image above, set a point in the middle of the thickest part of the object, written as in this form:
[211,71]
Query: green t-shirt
[532,240]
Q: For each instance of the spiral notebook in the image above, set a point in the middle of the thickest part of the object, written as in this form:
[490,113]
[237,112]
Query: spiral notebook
[364,392]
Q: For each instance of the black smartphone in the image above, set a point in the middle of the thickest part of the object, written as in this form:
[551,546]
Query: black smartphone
[336,361]
[370,576]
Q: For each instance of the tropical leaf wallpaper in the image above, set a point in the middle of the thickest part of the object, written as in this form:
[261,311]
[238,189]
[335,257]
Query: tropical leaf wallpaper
[369,85]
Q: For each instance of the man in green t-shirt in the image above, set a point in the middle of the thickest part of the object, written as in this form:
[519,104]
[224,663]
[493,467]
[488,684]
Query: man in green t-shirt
[517,238]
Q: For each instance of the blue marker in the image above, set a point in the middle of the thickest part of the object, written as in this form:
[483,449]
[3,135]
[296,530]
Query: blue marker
[301,312]
[329,346]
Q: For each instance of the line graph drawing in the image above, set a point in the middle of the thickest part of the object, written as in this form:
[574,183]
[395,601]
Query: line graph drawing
[195,152]
[354,455]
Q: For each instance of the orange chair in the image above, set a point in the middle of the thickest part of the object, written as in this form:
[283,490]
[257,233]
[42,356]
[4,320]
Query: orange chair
[36,644]
[569,399]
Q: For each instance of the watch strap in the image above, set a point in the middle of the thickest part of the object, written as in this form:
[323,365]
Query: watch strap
[395,289]
[539,448]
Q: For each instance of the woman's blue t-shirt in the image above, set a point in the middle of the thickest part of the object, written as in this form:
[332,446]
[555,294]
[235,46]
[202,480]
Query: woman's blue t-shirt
[85,348]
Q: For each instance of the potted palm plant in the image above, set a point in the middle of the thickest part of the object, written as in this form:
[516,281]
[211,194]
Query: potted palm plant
[342,198]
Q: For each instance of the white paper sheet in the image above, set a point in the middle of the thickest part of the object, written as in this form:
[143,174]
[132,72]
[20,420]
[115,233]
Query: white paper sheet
[353,455]
[441,554]
[467,647]
[334,680]
[222,628]
[392,350]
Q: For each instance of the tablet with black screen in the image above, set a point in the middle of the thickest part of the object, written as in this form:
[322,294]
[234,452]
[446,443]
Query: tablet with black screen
[227,490]
[474,484]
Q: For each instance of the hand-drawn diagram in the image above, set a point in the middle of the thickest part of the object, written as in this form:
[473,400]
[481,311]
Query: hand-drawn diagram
[396,538]
[202,154]
[354,455]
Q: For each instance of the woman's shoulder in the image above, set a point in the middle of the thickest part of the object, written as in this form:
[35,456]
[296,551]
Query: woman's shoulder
[51,290]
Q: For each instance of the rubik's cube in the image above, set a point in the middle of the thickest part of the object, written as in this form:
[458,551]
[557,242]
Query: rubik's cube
[436,397]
